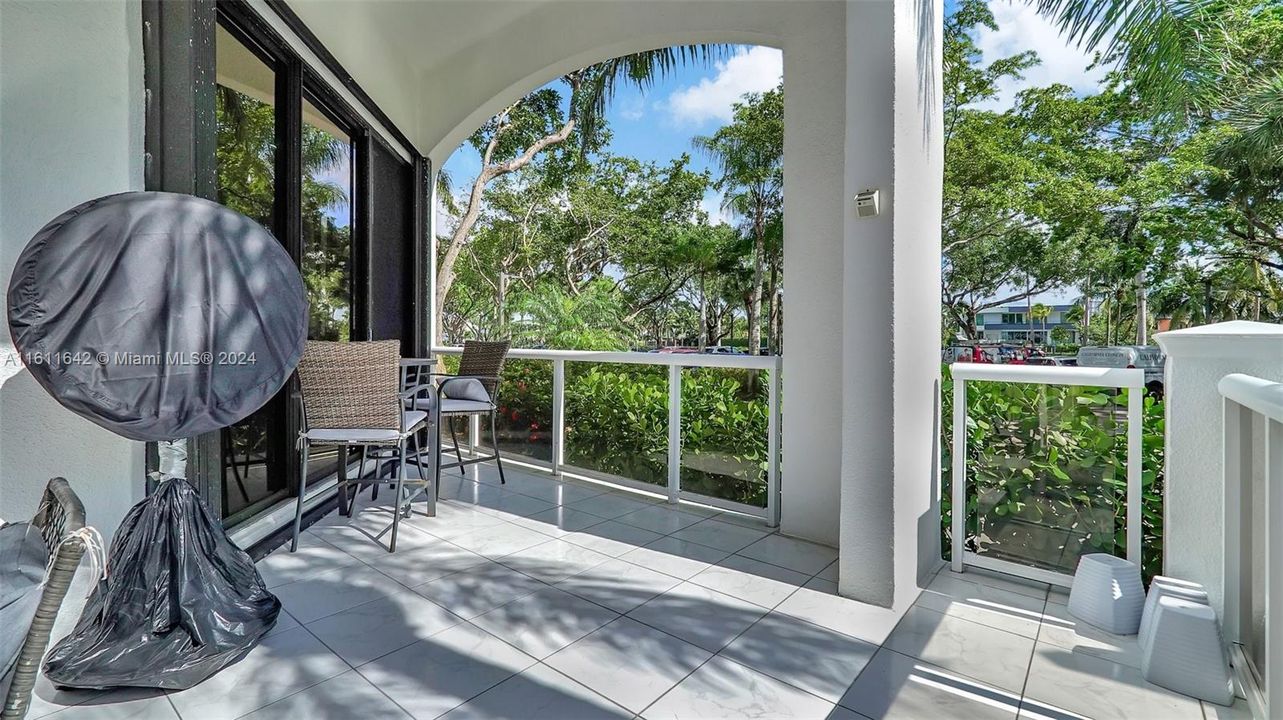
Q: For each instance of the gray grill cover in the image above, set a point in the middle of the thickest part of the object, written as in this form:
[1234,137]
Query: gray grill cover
[157,315]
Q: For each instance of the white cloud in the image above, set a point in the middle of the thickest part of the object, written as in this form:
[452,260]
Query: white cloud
[1021,28]
[754,69]
[712,204]
[633,108]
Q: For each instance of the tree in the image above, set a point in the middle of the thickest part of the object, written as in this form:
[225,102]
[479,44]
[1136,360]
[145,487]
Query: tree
[749,154]
[513,138]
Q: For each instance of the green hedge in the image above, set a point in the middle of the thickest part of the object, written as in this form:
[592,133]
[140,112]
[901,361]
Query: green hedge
[617,423]
[1047,466]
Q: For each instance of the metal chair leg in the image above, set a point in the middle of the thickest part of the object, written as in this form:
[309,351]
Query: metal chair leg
[458,452]
[302,495]
[494,442]
[400,486]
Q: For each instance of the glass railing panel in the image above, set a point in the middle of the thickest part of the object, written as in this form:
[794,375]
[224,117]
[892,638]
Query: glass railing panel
[724,434]
[1047,472]
[617,420]
[524,420]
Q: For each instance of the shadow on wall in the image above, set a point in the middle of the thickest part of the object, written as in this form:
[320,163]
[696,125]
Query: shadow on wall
[40,439]
[928,70]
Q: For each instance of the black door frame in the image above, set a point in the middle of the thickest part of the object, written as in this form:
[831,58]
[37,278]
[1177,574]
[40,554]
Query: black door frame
[180,144]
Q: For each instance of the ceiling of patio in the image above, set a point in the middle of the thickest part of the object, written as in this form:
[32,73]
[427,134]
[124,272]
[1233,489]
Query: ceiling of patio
[438,68]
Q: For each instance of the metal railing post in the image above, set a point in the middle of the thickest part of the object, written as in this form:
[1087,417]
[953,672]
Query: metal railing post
[1273,580]
[959,476]
[674,432]
[773,446]
[1236,527]
[558,415]
[1135,455]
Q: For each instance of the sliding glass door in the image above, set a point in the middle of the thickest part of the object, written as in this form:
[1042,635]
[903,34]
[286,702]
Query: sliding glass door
[296,179]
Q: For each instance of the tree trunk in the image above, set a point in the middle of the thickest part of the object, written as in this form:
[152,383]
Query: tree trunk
[1142,310]
[489,172]
[703,314]
[755,295]
[772,309]
[501,320]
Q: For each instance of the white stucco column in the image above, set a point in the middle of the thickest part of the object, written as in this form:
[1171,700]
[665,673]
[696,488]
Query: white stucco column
[71,129]
[1194,489]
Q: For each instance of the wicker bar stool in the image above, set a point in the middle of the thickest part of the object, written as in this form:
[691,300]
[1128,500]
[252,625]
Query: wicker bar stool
[351,396]
[60,515]
[474,390]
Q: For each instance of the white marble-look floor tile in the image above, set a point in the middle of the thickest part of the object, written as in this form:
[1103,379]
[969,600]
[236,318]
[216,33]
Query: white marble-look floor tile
[1238,711]
[984,604]
[415,566]
[721,688]
[558,522]
[612,538]
[898,687]
[539,692]
[544,621]
[277,667]
[479,589]
[433,676]
[628,662]
[869,623]
[1032,588]
[991,656]
[678,558]
[721,535]
[800,555]
[511,504]
[820,661]
[453,520]
[1064,630]
[618,585]
[757,582]
[150,707]
[313,557]
[610,505]
[698,615]
[552,491]
[829,573]
[334,591]
[554,560]
[495,542]
[342,697]
[1088,685]
[365,632]
[663,519]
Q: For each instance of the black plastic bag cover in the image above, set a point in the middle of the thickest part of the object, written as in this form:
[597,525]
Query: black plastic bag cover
[157,315]
[180,602]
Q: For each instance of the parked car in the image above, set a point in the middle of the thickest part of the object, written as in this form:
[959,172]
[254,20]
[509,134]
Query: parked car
[679,350]
[723,350]
[1146,357]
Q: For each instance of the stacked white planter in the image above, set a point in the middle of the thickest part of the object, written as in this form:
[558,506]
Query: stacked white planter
[1161,587]
[1180,642]
[1108,593]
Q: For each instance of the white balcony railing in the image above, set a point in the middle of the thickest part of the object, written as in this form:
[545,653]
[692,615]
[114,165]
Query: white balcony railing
[1252,503]
[1025,461]
[675,363]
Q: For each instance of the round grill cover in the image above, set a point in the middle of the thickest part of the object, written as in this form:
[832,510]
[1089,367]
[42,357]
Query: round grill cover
[157,315]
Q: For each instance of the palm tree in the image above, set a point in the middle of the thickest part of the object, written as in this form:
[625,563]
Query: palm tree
[514,137]
[551,317]
[1185,57]
[750,157]
[1040,312]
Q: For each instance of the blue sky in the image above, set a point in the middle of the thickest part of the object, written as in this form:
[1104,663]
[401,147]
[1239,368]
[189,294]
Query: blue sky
[658,124]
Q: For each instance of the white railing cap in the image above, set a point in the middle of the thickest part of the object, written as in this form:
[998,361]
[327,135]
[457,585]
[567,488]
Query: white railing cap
[749,362]
[1050,374]
[1236,338]
[1257,394]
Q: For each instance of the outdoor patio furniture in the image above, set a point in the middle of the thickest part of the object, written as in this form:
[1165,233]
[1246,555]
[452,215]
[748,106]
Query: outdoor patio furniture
[1184,651]
[351,396]
[59,517]
[1108,593]
[474,390]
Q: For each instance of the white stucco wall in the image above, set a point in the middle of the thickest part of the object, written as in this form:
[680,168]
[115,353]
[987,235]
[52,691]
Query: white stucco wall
[71,129]
[1194,486]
